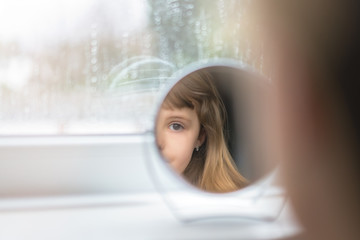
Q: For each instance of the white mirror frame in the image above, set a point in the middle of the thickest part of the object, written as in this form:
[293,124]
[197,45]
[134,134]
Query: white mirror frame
[262,200]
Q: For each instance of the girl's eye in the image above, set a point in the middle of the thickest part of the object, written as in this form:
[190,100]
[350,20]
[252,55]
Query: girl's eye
[176,127]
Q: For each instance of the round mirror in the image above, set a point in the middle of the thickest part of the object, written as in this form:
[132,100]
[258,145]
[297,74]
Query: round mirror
[205,127]
[207,151]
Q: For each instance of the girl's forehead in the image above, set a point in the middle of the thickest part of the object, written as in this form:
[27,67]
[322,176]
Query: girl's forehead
[174,109]
[173,105]
[174,112]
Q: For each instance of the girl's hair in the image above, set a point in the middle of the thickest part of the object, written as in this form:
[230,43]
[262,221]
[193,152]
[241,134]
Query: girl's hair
[211,168]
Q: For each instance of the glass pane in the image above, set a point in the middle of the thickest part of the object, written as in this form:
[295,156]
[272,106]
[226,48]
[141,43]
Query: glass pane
[97,66]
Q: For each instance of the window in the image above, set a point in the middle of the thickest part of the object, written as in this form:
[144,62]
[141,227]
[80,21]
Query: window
[97,66]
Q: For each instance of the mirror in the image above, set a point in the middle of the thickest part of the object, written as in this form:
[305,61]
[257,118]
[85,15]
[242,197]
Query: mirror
[207,130]
[257,194]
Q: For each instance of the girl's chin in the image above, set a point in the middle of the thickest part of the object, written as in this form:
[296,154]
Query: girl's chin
[177,169]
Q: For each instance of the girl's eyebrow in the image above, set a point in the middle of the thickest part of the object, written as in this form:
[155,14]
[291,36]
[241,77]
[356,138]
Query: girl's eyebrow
[178,117]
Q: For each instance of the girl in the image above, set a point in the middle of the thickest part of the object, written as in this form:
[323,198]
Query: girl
[190,135]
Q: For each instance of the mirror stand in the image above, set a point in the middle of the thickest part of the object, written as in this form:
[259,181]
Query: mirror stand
[261,201]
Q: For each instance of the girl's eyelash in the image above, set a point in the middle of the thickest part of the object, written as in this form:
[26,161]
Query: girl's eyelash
[171,126]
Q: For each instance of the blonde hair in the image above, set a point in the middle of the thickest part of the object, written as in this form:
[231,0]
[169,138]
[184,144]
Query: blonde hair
[211,168]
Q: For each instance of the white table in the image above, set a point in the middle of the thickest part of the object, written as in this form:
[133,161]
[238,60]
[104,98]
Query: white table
[124,216]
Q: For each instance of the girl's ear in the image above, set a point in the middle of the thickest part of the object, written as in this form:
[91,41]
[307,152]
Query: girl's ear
[202,137]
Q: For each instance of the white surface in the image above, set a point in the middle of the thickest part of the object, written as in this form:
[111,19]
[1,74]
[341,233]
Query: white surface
[99,188]
[63,165]
[136,216]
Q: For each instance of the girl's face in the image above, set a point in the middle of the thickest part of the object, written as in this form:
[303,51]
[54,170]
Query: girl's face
[178,134]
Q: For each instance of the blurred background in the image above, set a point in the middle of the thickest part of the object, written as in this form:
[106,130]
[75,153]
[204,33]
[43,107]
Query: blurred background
[96,67]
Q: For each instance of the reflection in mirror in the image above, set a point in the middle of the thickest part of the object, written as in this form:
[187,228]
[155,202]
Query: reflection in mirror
[198,130]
